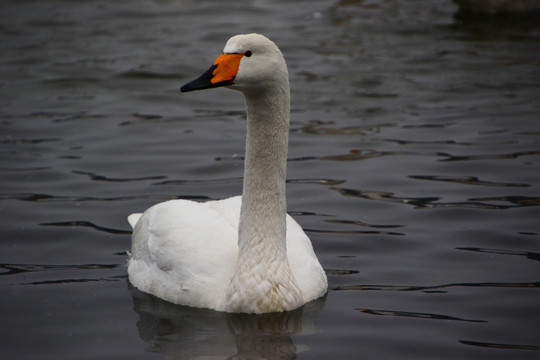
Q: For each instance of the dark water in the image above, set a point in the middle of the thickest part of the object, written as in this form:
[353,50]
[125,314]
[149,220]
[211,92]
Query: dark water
[414,167]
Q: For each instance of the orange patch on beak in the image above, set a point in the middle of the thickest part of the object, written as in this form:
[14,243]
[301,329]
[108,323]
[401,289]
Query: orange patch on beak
[226,67]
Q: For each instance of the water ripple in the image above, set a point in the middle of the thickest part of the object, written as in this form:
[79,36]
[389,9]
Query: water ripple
[427,142]
[360,223]
[13,269]
[437,288]
[67,281]
[450,157]
[356,154]
[500,346]
[145,74]
[96,177]
[416,315]
[387,196]
[317,181]
[60,117]
[340,272]
[63,198]
[469,180]
[12,141]
[430,202]
[529,255]
[207,182]
[354,232]
[322,128]
[88,224]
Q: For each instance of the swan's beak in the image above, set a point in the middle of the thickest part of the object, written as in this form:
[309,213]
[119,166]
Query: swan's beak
[221,73]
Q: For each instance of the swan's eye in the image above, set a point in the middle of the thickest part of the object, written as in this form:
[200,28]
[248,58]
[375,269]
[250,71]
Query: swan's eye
[248,53]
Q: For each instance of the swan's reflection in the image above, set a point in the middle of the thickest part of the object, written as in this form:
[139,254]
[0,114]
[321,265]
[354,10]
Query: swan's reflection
[182,332]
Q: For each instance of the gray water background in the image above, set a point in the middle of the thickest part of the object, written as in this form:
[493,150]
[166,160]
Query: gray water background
[414,167]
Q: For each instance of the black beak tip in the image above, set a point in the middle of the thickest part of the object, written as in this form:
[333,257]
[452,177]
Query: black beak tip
[201,83]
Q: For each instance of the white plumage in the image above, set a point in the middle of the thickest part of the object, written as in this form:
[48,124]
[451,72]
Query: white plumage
[242,254]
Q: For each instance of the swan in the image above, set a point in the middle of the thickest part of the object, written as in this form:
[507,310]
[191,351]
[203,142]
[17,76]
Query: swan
[243,254]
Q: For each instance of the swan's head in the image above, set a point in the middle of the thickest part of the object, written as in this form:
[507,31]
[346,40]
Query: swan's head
[249,62]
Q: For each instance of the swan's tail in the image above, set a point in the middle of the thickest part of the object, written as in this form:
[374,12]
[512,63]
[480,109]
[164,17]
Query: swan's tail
[133,219]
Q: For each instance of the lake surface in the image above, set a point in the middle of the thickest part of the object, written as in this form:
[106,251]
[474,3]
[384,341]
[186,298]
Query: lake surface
[414,167]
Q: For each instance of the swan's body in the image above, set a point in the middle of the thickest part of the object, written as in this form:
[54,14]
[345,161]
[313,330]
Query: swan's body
[242,254]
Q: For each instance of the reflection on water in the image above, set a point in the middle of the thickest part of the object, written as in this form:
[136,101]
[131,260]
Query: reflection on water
[181,332]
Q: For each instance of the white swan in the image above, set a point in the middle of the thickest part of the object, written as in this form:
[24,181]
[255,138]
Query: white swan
[242,254]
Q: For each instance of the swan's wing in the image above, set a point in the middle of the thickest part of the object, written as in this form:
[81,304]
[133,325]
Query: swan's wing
[304,264]
[184,252]
[133,218]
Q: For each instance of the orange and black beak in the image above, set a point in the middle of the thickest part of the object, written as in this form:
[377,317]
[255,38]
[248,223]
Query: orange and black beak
[221,73]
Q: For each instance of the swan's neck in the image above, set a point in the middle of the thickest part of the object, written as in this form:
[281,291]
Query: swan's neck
[264,206]
[263,281]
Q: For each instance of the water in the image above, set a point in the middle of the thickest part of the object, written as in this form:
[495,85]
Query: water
[414,168]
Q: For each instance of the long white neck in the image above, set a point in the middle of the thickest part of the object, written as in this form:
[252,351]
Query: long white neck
[263,281]
[263,198]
